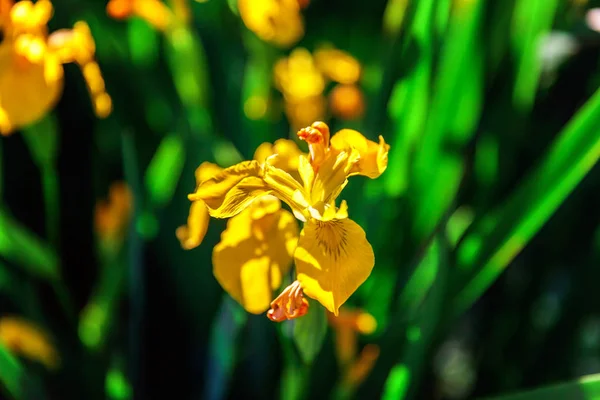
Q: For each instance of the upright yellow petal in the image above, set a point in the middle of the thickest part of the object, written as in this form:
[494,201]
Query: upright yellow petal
[232,190]
[192,234]
[333,259]
[287,151]
[373,156]
[332,176]
[254,254]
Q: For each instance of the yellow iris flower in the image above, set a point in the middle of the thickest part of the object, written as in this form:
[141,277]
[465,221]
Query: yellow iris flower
[25,339]
[275,21]
[256,248]
[333,257]
[31,71]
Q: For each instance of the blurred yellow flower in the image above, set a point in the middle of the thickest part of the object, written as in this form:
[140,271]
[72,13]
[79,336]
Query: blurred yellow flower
[256,248]
[275,21]
[347,326]
[302,78]
[302,112]
[333,257]
[337,65]
[346,102]
[31,71]
[25,339]
[112,217]
[297,76]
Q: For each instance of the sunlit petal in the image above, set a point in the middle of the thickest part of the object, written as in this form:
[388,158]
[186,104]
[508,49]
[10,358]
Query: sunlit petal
[333,259]
[253,256]
[192,234]
[373,156]
[287,152]
[232,190]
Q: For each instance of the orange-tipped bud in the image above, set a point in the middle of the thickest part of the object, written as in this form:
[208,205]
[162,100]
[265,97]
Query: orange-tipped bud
[120,9]
[289,304]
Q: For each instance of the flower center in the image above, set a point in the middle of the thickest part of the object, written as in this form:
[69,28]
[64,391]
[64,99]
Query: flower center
[332,238]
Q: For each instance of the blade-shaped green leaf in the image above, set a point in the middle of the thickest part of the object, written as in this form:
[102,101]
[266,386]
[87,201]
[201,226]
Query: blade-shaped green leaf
[451,120]
[164,170]
[22,247]
[498,237]
[531,20]
[584,388]
[309,332]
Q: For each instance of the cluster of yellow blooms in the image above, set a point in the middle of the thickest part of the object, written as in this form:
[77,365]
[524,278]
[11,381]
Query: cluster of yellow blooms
[23,338]
[331,253]
[302,79]
[275,21]
[31,64]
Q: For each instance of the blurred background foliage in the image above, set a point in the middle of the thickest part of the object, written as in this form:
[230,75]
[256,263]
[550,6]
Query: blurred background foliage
[485,225]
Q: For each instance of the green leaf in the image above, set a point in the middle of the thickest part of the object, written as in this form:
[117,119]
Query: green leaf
[143,42]
[397,383]
[20,246]
[584,388]
[42,140]
[451,119]
[164,170]
[496,238]
[309,332]
[531,20]
[11,373]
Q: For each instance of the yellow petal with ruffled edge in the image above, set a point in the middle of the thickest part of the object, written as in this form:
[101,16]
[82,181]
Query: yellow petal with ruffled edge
[333,259]
[206,171]
[192,234]
[373,156]
[232,190]
[254,254]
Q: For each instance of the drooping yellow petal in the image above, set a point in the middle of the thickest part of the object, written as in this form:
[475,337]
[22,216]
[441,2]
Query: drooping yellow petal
[26,95]
[232,190]
[254,254]
[333,259]
[373,156]
[24,338]
[287,152]
[192,234]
